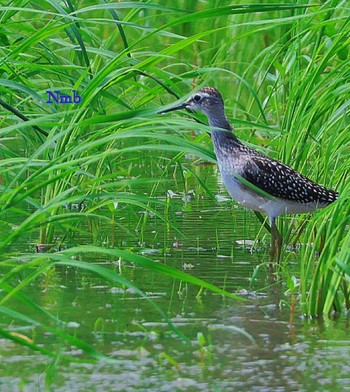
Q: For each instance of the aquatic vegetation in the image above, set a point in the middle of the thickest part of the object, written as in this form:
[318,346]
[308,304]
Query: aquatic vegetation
[68,167]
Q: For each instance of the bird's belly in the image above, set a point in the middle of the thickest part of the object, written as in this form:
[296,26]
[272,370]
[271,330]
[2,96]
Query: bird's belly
[273,206]
[242,194]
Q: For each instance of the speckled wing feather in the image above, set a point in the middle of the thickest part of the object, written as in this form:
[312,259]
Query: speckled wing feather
[282,181]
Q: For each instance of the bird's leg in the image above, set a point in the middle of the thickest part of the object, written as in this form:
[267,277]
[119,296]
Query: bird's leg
[279,244]
[276,242]
[273,242]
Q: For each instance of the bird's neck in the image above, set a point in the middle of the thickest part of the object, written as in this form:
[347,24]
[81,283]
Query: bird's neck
[222,132]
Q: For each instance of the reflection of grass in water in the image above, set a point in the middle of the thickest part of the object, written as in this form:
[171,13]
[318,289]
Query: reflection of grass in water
[36,265]
[283,73]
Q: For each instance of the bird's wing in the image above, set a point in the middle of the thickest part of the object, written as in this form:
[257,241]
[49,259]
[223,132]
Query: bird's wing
[280,180]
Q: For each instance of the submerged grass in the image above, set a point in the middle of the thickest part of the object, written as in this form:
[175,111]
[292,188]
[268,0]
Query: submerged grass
[283,70]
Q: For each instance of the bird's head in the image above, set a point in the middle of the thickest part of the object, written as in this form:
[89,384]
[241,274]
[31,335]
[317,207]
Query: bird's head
[208,100]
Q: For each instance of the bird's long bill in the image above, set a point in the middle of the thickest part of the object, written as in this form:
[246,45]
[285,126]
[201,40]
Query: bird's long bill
[176,107]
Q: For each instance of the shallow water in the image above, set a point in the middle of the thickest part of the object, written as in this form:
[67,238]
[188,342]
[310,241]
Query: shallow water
[231,346]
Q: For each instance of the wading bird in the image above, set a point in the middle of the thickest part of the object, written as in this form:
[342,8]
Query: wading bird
[253,179]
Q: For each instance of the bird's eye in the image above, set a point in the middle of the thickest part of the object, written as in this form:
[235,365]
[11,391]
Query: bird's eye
[197,98]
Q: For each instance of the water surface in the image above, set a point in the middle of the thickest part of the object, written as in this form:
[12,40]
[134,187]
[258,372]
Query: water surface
[231,346]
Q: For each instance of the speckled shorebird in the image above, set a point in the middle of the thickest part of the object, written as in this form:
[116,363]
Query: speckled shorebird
[253,179]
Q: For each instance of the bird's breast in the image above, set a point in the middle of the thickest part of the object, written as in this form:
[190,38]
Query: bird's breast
[240,192]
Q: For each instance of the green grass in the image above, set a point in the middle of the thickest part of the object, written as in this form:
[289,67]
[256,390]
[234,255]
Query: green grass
[283,70]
